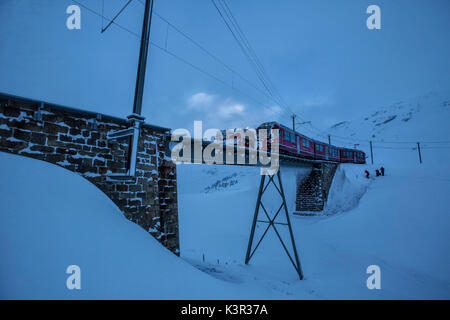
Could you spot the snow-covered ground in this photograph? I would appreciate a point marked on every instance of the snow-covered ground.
(399, 222)
(51, 218)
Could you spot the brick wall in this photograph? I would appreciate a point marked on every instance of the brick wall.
(76, 140)
(312, 191)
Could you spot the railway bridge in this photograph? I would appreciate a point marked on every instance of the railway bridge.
(311, 192)
(312, 189)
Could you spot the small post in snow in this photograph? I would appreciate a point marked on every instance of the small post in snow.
(418, 149)
(371, 152)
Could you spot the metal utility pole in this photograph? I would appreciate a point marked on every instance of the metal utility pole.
(418, 148)
(329, 139)
(145, 40)
(271, 222)
(136, 119)
(371, 152)
(293, 121)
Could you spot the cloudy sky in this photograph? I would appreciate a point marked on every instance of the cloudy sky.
(324, 62)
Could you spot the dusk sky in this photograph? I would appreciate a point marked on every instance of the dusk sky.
(326, 64)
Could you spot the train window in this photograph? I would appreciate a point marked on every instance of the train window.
(292, 138)
(286, 136)
(305, 143)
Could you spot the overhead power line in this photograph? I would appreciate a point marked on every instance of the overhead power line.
(233, 71)
(105, 18)
(172, 54)
(251, 50)
(248, 51)
(179, 58)
(116, 16)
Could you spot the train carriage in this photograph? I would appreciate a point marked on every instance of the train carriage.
(320, 151)
(333, 154)
(347, 155)
(306, 147)
(294, 143)
(360, 157)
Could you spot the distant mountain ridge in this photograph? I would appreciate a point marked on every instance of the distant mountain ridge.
(420, 118)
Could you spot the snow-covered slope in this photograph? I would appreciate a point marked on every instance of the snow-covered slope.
(399, 222)
(396, 129)
(51, 218)
(419, 118)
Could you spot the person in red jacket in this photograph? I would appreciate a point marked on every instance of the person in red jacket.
(367, 174)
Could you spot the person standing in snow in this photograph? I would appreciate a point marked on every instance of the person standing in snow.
(377, 173)
(367, 174)
(382, 171)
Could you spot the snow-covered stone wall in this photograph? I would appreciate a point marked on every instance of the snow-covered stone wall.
(76, 140)
(312, 190)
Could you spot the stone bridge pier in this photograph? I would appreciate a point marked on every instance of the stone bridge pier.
(312, 190)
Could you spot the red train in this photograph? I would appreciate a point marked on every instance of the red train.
(294, 143)
(298, 145)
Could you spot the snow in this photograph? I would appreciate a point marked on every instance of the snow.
(52, 218)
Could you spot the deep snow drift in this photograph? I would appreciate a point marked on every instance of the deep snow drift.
(51, 218)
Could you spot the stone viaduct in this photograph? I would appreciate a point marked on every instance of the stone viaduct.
(79, 141)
